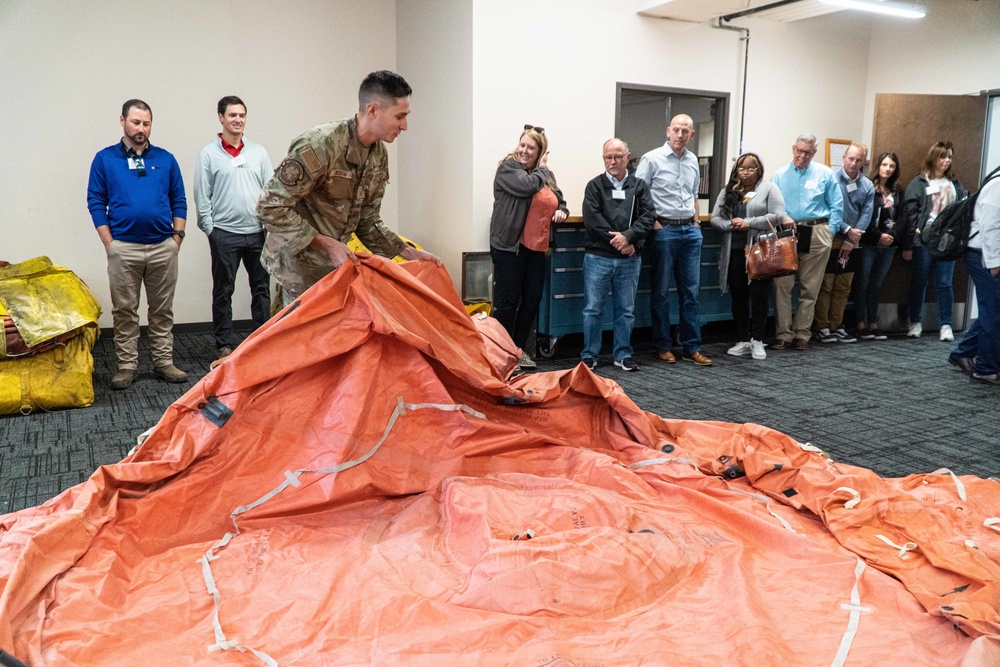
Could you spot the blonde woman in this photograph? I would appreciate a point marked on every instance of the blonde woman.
(522, 179)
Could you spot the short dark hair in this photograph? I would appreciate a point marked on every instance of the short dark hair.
(138, 104)
(384, 85)
(228, 101)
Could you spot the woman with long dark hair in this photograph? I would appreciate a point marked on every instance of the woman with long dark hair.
(878, 244)
(747, 206)
(927, 195)
(522, 183)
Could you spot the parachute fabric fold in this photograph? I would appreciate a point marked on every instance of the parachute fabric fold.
(347, 487)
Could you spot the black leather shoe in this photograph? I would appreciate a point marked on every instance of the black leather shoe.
(989, 378)
(963, 364)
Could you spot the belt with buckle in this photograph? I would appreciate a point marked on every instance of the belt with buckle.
(812, 223)
(675, 222)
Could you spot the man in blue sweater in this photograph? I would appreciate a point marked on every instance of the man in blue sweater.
(136, 200)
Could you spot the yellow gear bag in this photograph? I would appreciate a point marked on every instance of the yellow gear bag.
(52, 310)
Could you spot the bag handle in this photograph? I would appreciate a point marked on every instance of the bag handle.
(769, 224)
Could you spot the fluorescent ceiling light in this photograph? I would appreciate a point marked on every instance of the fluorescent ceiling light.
(903, 9)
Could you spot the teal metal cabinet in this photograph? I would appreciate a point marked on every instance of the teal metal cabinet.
(561, 310)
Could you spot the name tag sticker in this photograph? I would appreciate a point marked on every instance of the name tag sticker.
(131, 163)
(851, 187)
(812, 185)
(239, 160)
(933, 189)
(618, 194)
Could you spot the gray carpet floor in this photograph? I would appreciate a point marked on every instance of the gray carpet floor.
(894, 406)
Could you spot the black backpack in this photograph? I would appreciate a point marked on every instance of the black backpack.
(948, 235)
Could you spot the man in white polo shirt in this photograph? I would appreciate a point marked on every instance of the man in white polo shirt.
(229, 177)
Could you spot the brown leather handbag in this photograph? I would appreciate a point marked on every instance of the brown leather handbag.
(773, 255)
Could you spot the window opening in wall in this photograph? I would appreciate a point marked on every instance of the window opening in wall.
(643, 113)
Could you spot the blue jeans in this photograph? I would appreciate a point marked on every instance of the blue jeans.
(621, 277)
(982, 340)
(875, 264)
(920, 274)
(677, 256)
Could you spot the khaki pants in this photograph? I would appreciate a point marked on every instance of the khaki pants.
(834, 294)
(130, 266)
(812, 266)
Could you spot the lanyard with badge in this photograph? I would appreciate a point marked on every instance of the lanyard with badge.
(136, 164)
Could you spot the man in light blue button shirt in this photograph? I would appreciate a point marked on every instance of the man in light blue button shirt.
(814, 201)
(672, 174)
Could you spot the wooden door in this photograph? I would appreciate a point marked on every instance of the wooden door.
(908, 125)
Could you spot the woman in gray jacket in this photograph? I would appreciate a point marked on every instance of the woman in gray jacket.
(746, 207)
(518, 271)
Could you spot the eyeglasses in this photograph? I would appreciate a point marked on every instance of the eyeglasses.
(799, 151)
(539, 130)
(614, 158)
(944, 144)
(749, 168)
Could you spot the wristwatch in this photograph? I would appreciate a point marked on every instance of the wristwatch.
(180, 233)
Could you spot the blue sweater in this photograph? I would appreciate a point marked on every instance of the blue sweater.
(136, 209)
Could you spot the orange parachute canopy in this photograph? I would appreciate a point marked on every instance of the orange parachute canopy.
(361, 483)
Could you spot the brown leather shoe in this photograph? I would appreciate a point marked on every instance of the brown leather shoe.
(171, 373)
(780, 344)
(800, 344)
(667, 356)
(698, 358)
(123, 379)
(963, 364)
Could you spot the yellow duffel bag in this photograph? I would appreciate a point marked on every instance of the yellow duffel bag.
(59, 378)
(50, 326)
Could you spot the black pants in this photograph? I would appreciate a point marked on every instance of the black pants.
(228, 250)
(518, 278)
(750, 301)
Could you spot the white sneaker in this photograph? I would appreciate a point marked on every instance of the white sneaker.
(526, 361)
(740, 349)
(757, 349)
(947, 333)
(915, 331)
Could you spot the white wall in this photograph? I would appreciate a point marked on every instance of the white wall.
(434, 54)
(66, 66)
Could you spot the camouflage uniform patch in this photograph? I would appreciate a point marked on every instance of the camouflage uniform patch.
(290, 172)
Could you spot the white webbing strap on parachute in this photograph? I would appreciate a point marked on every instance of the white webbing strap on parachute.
(654, 462)
(809, 447)
(767, 505)
(854, 620)
(909, 546)
(850, 504)
(992, 523)
(292, 479)
(958, 483)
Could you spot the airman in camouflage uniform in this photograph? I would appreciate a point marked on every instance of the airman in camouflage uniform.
(330, 186)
